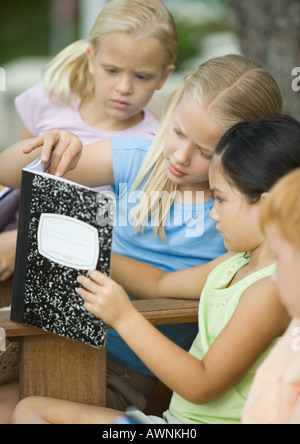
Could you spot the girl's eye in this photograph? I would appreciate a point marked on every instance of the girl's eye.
(178, 132)
(205, 154)
(111, 70)
(216, 198)
(142, 77)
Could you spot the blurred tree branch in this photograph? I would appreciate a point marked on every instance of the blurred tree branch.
(269, 32)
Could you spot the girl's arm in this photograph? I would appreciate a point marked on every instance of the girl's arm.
(144, 281)
(66, 149)
(93, 163)
(26, 134)
(258, 320)
(95, 167)
(8, 241)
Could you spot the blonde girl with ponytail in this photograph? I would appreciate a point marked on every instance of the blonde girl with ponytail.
(70, 74)
(100, 87)
(171, 233)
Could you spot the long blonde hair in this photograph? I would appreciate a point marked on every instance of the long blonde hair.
(231, 89)
(67, 77)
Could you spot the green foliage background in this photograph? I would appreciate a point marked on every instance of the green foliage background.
(25, 30)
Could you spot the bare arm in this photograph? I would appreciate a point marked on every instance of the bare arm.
(65, 146)
(144, 281)
(12, 161)
(258, 320)
(26, 134)
(95, 167)
(8, 241)
(93, 164)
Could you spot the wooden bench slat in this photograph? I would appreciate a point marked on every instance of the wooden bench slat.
(158, 312)
(168, 311)
(15, 330)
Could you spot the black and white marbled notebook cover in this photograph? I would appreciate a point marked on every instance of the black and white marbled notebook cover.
(44, 293)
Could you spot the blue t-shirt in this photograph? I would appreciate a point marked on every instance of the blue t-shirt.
(191, 240)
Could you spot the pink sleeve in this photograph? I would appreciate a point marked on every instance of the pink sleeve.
(28, 105)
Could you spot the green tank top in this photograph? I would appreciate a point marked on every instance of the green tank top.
(217, 304)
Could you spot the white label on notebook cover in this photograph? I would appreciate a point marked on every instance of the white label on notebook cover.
(68, 241)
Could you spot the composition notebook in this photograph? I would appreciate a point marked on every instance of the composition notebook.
(65, 229)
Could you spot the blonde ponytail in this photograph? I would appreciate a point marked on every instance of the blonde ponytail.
(67, 76)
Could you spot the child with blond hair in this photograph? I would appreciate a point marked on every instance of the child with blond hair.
(173, 233)
(240, 314)
(100, 87)
(275, 395)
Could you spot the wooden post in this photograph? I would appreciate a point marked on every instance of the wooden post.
(56, 367)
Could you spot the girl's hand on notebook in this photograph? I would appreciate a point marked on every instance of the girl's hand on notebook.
(62, 147)
(105, 298)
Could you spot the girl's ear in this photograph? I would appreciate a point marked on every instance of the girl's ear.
(165, 77)
(90, 52)
(263, 197)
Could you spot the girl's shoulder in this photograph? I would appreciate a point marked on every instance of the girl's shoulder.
(35, 93)
(130, 144)
(128, 155)
(261, 296)
(226, 270)
(229, 262)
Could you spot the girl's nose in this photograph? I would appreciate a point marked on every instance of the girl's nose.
(214, 214)
(182, 155)
(124, 85)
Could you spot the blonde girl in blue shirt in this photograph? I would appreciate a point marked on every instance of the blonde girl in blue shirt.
(222, 92)
(100, 87)
(240, 313)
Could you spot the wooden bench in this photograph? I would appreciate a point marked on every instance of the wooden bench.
(56, 367)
